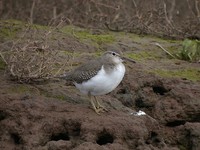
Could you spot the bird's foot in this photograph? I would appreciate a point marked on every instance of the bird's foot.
(97, 106)
(101, 107)
(98, 110)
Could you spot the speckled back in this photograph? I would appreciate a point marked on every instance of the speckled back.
(90, 69)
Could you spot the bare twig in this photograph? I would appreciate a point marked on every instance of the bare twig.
(3, 58)
(166, 16)
(157, 44)
(105, 5)
(190, 7)
(54, 12)
(134, 3)
(197, 8)
(171, 10)
(31, 12)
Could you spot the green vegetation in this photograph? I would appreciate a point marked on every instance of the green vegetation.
(39, 27)
(22, 88)
(10, 28)
(190, 74)
(85, 34)
(133, 36)
(143, 55)
(103, 38)
(2, 64)
(68, 29)
(60, 97)
(182, 147)
(190, 50)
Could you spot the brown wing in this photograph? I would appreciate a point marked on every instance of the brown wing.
(85, 71)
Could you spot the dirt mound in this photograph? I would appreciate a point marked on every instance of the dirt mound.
(40, 123)
(53, 115)
(30, 121)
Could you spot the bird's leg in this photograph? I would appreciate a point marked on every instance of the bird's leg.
(93, 105)
(99, 106)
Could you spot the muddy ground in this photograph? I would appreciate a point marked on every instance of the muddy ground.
(53, 115)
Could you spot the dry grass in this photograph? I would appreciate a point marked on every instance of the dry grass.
(32, 59)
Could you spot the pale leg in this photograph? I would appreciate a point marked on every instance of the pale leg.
(93, 105)
(99, 106)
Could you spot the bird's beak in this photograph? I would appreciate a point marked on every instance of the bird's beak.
(128, 59)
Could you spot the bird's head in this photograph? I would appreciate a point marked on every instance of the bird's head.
(116, 57)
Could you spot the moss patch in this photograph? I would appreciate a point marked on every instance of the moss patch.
(60, 97)
(99, 39)
(10, 28)
(40, 27)
(23, 88)
(133, 36)
(85, 34)
(190, 74)
(68, 29)
(143, 55)
(2, 64)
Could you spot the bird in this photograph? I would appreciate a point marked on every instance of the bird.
(99, 76)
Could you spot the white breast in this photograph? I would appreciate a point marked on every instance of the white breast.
(103, 82)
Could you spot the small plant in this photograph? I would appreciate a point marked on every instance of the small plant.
(190, 50)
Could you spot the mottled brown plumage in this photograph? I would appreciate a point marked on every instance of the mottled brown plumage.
(90, 69)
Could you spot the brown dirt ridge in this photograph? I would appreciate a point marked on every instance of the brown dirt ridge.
(53, 115)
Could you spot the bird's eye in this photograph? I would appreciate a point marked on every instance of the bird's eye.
(113, 54)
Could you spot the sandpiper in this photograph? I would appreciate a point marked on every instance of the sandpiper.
(99, 76)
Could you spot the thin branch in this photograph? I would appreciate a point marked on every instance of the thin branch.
(157, 44)
(54, 12)
(3, 58)
(190, 7)
(31, 12)
(197, 8)
(166, 16)
(134, 3)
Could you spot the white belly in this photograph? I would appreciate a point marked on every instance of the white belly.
(103, 82)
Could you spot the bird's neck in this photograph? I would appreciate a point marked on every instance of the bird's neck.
(110, 66)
